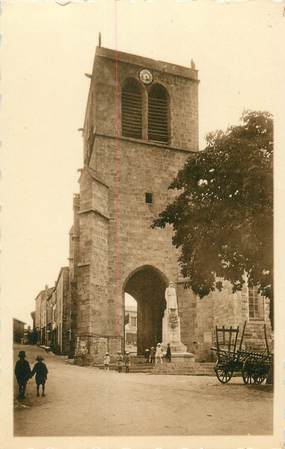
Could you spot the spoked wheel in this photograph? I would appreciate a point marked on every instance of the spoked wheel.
(259, 378)
(223, 373)
(247, 375)
(252, 373)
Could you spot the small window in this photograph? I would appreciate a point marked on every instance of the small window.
(133, 321)
(255, 304)
(148, 198)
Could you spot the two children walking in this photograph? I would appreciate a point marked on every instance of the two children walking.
(123, 360)
(24, 373)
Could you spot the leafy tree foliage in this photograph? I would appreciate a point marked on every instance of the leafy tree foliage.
(222, 216)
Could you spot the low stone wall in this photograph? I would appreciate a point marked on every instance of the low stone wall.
(91, 349)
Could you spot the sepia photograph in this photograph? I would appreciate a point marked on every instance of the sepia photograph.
(141, 293)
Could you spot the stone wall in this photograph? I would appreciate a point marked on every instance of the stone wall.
(66, 325)
(62, 322)
(200, 316)
(227, 309)
(119, 241)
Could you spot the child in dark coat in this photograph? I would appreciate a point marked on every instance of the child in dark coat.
(168, 352)
(41, 371)
(127, 361)
(22, 373)
(120, 361)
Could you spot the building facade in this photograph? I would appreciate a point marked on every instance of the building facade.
(141, 126)
(131, 329)
(52, 314)
(61, 312)
(41, 315)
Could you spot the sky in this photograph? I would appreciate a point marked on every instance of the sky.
(47, 49)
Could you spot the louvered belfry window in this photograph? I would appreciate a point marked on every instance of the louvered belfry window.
(158, 114)
(132, 109)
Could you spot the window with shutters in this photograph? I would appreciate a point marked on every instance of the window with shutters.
(158, 114)
(132, 109)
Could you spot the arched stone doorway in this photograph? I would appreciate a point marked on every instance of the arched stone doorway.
(147, 286)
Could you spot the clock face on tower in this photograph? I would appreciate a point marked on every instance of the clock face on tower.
(146, 76)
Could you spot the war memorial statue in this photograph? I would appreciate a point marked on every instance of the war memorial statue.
(171, 326)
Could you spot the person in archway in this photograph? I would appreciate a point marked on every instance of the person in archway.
(168, 353)
(146, 355)
(158, 354)
(152, 354)
(22, 373)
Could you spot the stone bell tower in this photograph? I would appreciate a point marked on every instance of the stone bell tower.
(141, 125)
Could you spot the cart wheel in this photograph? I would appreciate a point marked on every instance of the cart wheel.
(259, 378)
(223, 373)
(252, 374)
(247, 375)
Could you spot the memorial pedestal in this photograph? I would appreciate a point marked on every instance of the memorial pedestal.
(171, 334)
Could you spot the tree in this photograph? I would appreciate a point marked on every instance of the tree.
(222, 216)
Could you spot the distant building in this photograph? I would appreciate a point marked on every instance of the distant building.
(33, 316)
(41, 315)
(131, 328)
(52, 314)
(18, 330)
(60, 303)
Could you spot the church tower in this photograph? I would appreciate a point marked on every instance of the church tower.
(141, 126)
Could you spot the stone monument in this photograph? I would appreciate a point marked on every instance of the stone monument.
(171, 327)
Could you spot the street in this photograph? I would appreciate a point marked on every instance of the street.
(86, 401)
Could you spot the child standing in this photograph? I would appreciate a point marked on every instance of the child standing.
(119, 361)
(127, 362)
(22, 373)
(158, 353)
(107, 360)
(152, 354)
(168, 353)
(41, 371)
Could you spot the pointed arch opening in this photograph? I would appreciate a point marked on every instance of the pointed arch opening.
(146, 286)
(158, 114)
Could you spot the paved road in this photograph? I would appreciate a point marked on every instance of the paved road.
(84, 401)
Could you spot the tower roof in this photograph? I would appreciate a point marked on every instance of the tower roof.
(141, 61)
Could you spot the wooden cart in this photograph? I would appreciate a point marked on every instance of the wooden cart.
(231, 358)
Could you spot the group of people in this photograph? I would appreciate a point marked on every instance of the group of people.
(152, 355)
(123, 360)
(24, 373)
(155, 355)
